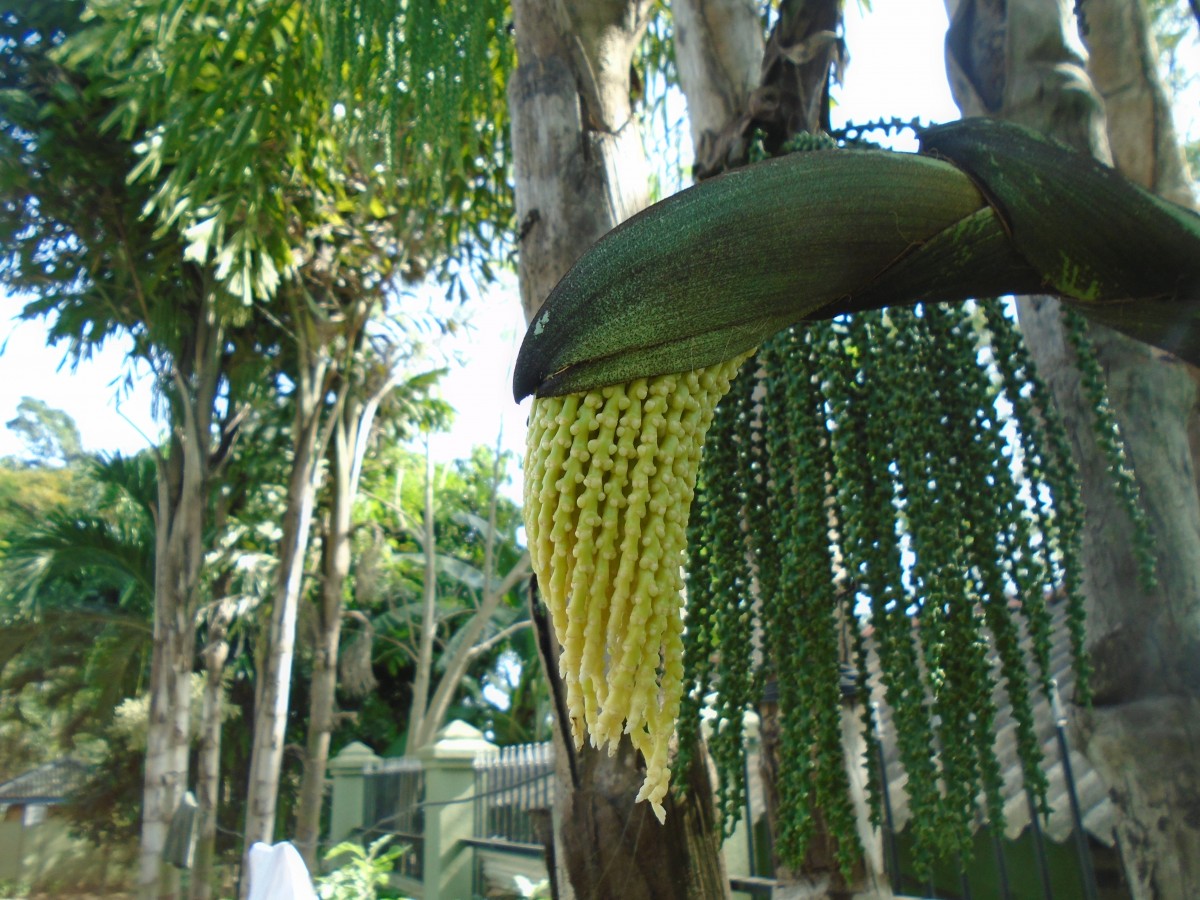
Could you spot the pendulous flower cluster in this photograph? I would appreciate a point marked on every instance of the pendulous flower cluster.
(609, 480)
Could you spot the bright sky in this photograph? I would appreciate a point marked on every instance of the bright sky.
(896, 69)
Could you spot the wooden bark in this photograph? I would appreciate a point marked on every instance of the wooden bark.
(335, 568)
(273, 690)
(313, 422)
(719, 52)
(1024, 62)
(208, 761)
(580, 169)
(353, 423)
(183, 476)
(1122, 61)
(424, 675)
(577, 154)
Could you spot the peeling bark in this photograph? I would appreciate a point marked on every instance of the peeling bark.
(719, 51)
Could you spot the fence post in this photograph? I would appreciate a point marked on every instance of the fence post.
(348, 770)
(449, 812)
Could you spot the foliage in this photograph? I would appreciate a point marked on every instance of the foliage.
(70, 228)
(360, 876)
(76, 597)
(359, 97)
(75, 606)
(388, 588)
(523, 715)
(50, 435)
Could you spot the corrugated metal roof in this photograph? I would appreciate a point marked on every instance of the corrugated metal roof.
(51, 783)
(1096, 808)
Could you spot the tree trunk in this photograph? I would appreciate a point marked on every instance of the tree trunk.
(183, 475)
(1142, 136)
(719, 52)
(454, 666)
(161, 786)
(208, 762)
(1122, 62)
(578, 160)
(335, 568)
(273, 690)
(1028, 66)
(348, 446)
(420, 698)
(580, 169)
(166, 768)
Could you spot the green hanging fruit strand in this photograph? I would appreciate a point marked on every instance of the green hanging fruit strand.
(992, 549)
(861, 444)
(733, 626)
(1052, 466)
(930, 479)
(1108, 437)
(805, 622)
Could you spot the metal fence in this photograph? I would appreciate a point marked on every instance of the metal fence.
(514, 790)
(393, 803)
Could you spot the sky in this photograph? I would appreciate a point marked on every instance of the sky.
(895, 69)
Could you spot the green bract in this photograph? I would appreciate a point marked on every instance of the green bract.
(989, 208)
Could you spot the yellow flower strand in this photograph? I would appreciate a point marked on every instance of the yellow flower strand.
(609, 481)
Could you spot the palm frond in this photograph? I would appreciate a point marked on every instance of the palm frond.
(72, 548)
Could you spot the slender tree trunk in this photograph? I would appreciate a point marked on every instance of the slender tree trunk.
(468, 649)
(1025, 63)
(454, 666)
(335, 568)
(274, 684)
(273, 690)
(580, 169)
(166, 767)
(348, 447)
(420, 698)
(159, 790)
(208, 762)
(183, 476)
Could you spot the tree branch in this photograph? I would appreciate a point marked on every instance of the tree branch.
(499, 637)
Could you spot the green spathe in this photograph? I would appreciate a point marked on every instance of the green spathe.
(988, 208)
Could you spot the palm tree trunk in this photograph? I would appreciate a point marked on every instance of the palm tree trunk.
(335, 569)
(274, 681)
(208, 762)
(161, 786)
(424, 674)
(580, 169)
(183, 477)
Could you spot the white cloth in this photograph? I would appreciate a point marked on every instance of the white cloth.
(278, 873)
